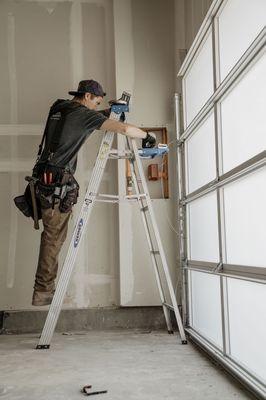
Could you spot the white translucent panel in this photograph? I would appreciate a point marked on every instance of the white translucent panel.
(198, 82)
(200, 151)
(239, 24)
(206, 306)
(203, 229)
(243, 117)
(247, 314)
(245, 220)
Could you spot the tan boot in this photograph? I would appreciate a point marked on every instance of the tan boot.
(42, 298)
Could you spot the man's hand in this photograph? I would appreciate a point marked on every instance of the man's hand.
(149, 141)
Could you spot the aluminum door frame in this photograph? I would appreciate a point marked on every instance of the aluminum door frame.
(221, 269)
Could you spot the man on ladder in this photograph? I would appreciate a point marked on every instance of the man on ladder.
(69, 124)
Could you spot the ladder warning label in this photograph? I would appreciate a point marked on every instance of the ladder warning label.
(78, 235)
(104, 150)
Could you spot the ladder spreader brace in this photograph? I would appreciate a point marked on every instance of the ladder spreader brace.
(145, 205)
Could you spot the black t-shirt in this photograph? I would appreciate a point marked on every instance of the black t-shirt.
(79, 124)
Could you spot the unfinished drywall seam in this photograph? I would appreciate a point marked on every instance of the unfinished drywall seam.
(76, 42)
(124, 47)
(125, 80)
(109, 48)
(76, 54)
(13, 231)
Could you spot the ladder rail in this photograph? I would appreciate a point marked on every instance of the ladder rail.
(151, 249)
(77, 235)
(159, 243)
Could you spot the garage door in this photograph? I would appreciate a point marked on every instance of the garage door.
(222, 188)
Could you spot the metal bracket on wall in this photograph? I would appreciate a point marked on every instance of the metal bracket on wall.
(180, 142)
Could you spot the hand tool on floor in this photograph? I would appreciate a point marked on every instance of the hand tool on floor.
(86, 390)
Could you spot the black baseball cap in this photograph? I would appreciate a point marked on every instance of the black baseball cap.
(89, 86)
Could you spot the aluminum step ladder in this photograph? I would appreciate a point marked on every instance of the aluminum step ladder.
(143, 198)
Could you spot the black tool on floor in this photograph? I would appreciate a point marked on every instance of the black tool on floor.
(85, 390)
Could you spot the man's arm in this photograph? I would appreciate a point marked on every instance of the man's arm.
(124, 129)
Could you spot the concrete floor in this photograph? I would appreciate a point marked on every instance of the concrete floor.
(129, 364)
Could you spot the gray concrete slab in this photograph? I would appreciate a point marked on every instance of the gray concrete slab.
(139, 365)
(86, 319)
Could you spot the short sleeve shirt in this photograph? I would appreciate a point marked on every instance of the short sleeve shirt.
(78, 126)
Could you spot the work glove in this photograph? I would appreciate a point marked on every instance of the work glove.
(149, 141)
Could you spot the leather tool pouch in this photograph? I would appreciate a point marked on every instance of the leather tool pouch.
(24, 204)
(69, 200)
(45, 194)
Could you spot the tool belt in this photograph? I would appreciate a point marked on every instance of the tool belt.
(54, 186)
(47, 187)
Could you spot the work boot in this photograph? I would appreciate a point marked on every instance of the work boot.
(42, 298)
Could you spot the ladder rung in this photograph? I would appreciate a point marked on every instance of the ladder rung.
(118, 154)
(155, 252)
(136, 196)
(115, 157)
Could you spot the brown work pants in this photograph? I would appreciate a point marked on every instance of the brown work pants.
(53, 236)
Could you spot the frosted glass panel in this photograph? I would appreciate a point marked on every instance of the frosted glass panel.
(239, 24)
(243, 117)
(199, 81)
(247, 314)
(200, 151)
(203, 229)
(206, 306)
(245, 220)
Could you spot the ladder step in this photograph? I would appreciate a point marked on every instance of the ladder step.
(124, 154)
(136, 196)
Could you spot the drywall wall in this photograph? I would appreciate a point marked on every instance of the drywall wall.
(150, 43)
(144, 38)
(47, 47)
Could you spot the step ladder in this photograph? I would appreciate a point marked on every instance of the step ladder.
(145, 205)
